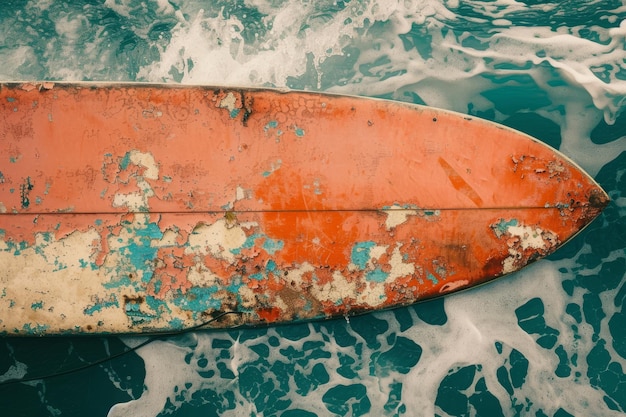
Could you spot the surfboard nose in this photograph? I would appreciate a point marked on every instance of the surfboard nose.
(596, 202)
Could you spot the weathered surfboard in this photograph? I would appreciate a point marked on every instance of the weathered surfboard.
(128, 208)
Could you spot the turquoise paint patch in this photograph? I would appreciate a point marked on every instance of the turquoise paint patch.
(141, 253)
(124, 281)
(98, 222)
(299, 132)
(59, 266)
(266, 173)
(10, 99)
(432, 278)
(100, 305)
(176, 324)
(234, 113)
(16, 248)
(157, 305)
(258, 276)
(361, 253)
(272, 124)
(199, 299)
(125, 161)
(377, 275)
(34, 329)
(501, 227)
(271, 266)
(271, 246)
(37, 306)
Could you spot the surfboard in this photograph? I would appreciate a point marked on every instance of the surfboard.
(136, 208)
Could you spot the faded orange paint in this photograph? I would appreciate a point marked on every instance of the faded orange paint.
(154, 207)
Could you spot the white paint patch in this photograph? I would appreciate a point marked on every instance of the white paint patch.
(138, 201)
(372, 295)
(201, 276)
(69, 251)
(531, 237)
(219, 239)
(523, 238)
(229, 102)
(146, 160)
(398, 267)
(396, 215)
(240, 194)
(295, 275)
(335, 290)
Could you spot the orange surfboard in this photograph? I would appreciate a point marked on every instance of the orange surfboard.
(130, 208)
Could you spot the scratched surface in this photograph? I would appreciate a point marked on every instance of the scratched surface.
(138, 208)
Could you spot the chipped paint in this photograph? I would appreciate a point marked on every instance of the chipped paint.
(526, 243)
(156, 225)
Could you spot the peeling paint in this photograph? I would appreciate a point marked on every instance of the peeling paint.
(157, 226)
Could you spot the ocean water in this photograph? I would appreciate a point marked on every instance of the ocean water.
(547, 341)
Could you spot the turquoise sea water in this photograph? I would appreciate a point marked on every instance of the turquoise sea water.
(547, 341)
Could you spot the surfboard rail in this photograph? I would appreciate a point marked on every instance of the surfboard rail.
(133, 208)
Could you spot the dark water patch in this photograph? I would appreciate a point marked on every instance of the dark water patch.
(49, 356)
(450, 397)
(297, 412)
(369, 328)
(339, 69)
(294, 332)
(403, 317)
(348, 367)
(593, 312)
(202, 403)
(401, 357)
(536, 126)
(519, 368)
(347, 400)
(484, 402)
(418, 38)
(607, 375)
(267, 397)
(530, 319)
(394, 400)
(563, 369)
(225, 371)
(574, 310)
(520, 93)
(308, 382)
(605, 133)
(617, 324)
(337, 330)
(609, 277)
(217, 343)
(432, 312)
